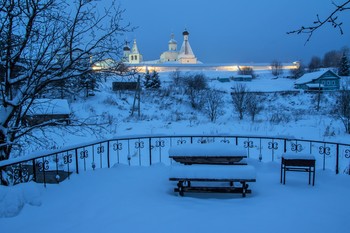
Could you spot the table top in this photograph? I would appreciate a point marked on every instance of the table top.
(207, 150)
(298, 156)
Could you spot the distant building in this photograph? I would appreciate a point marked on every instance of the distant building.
(132, 56)
(172, 54)
(242, 77)
(186, 55)
(48, 110)
(320, 80)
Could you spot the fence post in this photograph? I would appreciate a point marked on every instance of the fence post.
(34, 170)
(150, 150)
(76, 161)
(285, 145)
(108, 162)
(337, 161)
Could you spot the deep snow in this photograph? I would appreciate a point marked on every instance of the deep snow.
(141, 199)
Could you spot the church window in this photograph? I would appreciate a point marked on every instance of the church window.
(135, 57)
(132, 57)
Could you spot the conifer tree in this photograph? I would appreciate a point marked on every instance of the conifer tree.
(155, 81)
(151, 81)
(344, 66)
(147, 80)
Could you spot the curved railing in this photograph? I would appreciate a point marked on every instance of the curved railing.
(55, 166)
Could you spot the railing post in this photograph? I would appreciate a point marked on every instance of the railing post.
(34, 170)
(76, 161)
(108, 162)
(150, 150)
(285, 145)
(337, 160)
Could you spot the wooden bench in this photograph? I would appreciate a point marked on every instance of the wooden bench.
(298, 163)
(212, 178)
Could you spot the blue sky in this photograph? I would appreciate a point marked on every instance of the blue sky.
(224, 31)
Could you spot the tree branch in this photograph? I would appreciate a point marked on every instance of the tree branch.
(332, 19)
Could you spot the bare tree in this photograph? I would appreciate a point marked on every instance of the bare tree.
(195, 84)
(276, 68)
(253, 104)
(343, 108)
(299, 71)
(239, 98)
(315, 64)
(41, 43)
(332, 59)
(332, 18)
(176, 77)
(213, 104)
(246, 70)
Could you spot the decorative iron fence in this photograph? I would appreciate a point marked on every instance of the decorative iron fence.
(147, 150)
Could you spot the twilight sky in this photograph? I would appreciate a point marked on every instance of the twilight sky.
(225, 31)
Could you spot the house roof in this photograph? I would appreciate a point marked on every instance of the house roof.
(49, 107)
(242, 76)
(309, 77)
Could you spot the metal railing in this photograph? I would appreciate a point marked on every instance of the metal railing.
(58, 165)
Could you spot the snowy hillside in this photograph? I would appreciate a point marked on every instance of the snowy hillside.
(168, 111)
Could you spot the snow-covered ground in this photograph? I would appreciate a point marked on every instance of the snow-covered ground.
(141, 199)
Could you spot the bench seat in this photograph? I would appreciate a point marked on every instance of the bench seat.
(227, 176)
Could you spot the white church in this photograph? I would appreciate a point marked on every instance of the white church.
(184, 56)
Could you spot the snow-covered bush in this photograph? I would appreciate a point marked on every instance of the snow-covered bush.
(278, 118)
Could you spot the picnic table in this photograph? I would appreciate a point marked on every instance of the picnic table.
(298, 163)
(207, 172)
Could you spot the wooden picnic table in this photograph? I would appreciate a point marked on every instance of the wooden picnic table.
(207, 173)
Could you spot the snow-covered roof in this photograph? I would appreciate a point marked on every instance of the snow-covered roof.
(309, 77)
(49, 107)
(243, 76)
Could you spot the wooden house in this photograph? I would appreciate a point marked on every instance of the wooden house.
(44, 110)
(320, 80)
(242, 78)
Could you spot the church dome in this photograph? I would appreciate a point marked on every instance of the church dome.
(185, 33)
(126, 48)
(172, 40)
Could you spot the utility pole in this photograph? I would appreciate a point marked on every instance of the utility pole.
(137, 98)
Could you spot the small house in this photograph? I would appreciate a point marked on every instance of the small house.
(44, 110)
(242, 78)
(320, 80)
